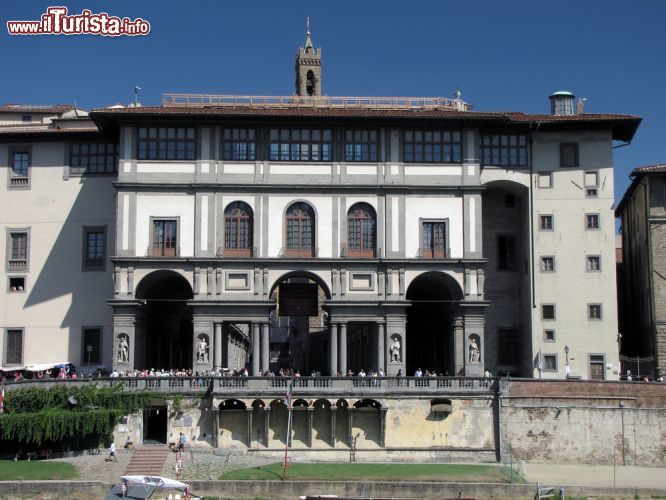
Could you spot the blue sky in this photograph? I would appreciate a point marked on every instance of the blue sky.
(505, 55)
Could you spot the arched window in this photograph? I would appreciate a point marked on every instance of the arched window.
(238, 230)
(300, 226)
(362, 231)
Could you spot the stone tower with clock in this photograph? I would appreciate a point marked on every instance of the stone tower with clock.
(308, 68)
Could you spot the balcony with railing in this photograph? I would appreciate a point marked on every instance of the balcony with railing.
(17, 264)
(162, 251)
(433, 253)
(237, 253)
(93, 262)
(360, 253)
(19, 181)
(298, 253)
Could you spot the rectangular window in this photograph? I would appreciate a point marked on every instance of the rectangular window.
(360, 145)
(300, 144)
(239, 144)
(94, 245)
(550, 362)
(546, 222)
(93, 158)
(508, 347)
(506, 253)
(165, 238)
(548, 312)
(549, 335)
(569, 154)
(597, 367)
(433, 239)
(26, 118)
(17, 254)
(20, 172)
(591, 179)
(545, 180)
(593, 263)
(433, 146)
(13, 347)
(592, 221)
(92, 346)
(16, 284)
(504, 150)
(547, 264)
(166, 143)
(594, 311)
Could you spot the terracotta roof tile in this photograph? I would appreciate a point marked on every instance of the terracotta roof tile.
(35, 108)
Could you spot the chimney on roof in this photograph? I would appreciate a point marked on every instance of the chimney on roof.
(561, 103)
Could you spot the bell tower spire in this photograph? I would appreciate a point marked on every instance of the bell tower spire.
(308, 67)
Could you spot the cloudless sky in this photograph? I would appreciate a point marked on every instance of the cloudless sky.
(505, 55)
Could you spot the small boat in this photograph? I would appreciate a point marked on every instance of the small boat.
(142, 487)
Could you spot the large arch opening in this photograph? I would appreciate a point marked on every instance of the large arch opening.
(166, 341)
(299, 325)
(434, 301)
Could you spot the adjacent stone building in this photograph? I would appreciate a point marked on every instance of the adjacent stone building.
(642, 211)
(316, 233)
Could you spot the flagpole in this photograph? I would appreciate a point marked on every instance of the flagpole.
(286, 448)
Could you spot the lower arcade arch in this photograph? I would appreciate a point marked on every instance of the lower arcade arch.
(434, 298)
(164, 336)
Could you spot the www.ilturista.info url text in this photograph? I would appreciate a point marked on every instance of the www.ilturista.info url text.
(57, 21)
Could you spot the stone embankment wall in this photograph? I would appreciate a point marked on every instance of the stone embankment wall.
(584, 422)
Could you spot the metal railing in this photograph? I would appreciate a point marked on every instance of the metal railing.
(301, 253)
(17, 264)
(19, 181)
(236, 252)
(202, 100)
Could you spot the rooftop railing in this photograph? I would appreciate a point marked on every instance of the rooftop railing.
(203, 100)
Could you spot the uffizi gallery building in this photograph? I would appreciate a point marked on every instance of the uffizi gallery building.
(321, 234)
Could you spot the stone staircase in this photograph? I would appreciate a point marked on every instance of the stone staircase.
(148, 460)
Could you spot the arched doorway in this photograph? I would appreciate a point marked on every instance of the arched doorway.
(166, 341)
(299, 330)
(434, 301)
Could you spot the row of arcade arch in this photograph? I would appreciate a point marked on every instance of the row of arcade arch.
(164, 334)
(319, 423)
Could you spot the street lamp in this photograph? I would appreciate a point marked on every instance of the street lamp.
(567, 370)
(89, 350)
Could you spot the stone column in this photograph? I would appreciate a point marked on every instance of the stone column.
(334, 410)
(249, 426)
(218, 346)
(333, 349)
(382, 426)
(310, 415)
(343, 348)
(381, 347)
(255, 350)
(267, 421)
(265, 347)
(459, 344)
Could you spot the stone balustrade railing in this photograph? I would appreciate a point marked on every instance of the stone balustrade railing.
(240, 386)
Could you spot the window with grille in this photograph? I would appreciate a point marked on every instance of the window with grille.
(506, 253)
(592, 221)
(433, 239)
(360, 145)
(300, 144)
(14, 347)
(546, 222)
(361, 231)
(433, 146)
(17, 258)
(238, 227)
(594, 311)
(93, 158)
(300, 226)
(166, 143)
(548, 311)
(95, 248)
(547, 264)
(239, 144)
(569, 155)
(593, 263)
(549, 335)
(508, 344)
(504, 150)
(550, 362)
(165, 238)
(92, 346)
